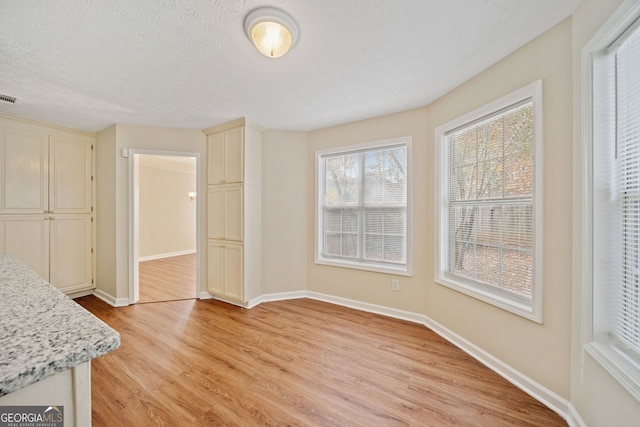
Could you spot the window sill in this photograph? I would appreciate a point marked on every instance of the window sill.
(398, 271)
(494, 297)
(625, 370)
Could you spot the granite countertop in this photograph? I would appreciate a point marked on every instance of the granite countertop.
(43, 331)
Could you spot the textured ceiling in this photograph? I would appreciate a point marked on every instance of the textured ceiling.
(88, 64)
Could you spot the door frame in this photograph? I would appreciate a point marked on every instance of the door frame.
(134, 216)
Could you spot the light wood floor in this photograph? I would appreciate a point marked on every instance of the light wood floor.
(295, 363)
(167, 279)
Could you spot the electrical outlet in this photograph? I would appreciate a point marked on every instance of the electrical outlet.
(395, 285)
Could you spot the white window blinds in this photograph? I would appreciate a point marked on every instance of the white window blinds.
(490, 202)
(627, 185)
(363, 209)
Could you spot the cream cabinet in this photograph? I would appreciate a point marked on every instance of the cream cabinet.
(57, 247)
(24, 182)
(44, 174)
(46, 201)
(224, 262)
(26, 237)
(233, 211)
(225, 212)
(225, 156)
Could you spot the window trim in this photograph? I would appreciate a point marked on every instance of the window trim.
(477, 290)
(595, 339)
(401, 270)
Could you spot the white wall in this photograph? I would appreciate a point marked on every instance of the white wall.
(105, 177)
(375, 288)
(550, 353)
(116, 203)
(284, 211)
(541, 352)
(167, 215)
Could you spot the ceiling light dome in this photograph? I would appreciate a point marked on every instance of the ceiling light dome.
(271, 30)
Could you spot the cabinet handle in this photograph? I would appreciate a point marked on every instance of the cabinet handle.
(51, 218)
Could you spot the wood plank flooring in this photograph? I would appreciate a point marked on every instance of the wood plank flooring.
(292, 363)
(167, 279)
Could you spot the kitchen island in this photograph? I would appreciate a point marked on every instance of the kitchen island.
(47, 342)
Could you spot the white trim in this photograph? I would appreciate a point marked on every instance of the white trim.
(166, 255)
(282, 296)
(81, 378)
(573, 418)
(616, 365)
(550, 399)
(110, 299)
(400, 270)
(620, 368)
(231, 301)
(134, 166)
(369, 308)
(532, 91)
(204, 295)
(80, 294)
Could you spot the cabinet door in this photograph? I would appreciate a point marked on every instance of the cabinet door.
(225, 157)
(215, 156)
(24, 178)
(26, 237)
(215, 268)
(233, 277)
(70, 252)
(215, 212)
(224, 219)
(233, 156)
(70, 176)
(233, 213)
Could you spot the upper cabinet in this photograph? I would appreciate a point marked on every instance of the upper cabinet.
(44, 174)
(226, 156)
(69, 176)
(24, 181)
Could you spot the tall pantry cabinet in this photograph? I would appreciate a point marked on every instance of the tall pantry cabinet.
(234, 168)
(46, 204)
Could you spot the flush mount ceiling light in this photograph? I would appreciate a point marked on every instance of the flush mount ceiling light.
(271, 30)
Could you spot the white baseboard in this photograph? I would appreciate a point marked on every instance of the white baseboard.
(80, 294)
(167, 255)
(553, 401)
(109, 299)
(230, 301)
(204, 295)
(574, 419)
(283, 296)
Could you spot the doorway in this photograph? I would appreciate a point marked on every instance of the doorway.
(164, 225)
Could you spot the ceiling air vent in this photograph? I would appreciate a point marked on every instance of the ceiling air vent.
(7, 98)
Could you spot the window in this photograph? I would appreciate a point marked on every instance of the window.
(362, 216)
(489, 214)
(611, 179)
